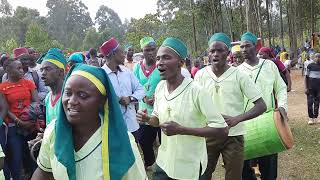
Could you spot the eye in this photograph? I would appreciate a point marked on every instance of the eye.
(67, 93)
(83, 95)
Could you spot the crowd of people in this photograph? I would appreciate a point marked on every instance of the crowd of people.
(84, 116)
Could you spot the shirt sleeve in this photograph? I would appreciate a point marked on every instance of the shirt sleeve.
(1, 153)
(280, 89)
(248, 87)
(209, 110)
(138, 90)
(30, 84)
(43, 160)
(156, 102)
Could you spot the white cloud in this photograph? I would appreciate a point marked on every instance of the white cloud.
(124, 8)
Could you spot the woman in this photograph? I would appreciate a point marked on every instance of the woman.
(19, 94)
(266, 53)
(89, 138)
(73, 59)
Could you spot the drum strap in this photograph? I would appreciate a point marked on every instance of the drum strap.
(255, 81)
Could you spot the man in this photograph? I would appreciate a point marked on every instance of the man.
(236, 56)
(129, 57)
(125, 84)
(229, 89)
(283, 53)
(149, 77)
(185, 114)
(195, 67)
(306, 64)
(53, 66)
(312, 86)
(273, 88)
(93, 60)
(22, 55)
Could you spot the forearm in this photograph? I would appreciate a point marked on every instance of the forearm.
(3, 107)
(1, 163)
(258, 108)
(205, 132)
(39, 174)
(12, 116)
(288, 78)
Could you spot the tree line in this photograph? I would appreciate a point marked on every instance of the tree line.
(68, 24)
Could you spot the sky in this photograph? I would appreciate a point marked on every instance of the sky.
(126, 9)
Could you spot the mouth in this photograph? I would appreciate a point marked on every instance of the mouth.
(162, 71)
(215, 61)
(73, 112)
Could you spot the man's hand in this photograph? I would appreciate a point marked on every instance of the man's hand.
(124, 101)
(171, 128)
(142, 117)
(149, 101)
(283, 114)
(306, 91)
(232, 121)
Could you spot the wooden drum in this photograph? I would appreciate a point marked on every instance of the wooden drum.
(266, 134)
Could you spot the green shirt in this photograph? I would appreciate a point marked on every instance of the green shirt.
(51, 110)
(149, 84)
(180, 156)
(269, 83)
(88, 158)
(229, 92)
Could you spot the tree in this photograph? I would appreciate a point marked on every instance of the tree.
(75, 43)
(37, 38)
(92, 39)
(67, 17)
(5, 7)
(9, 45)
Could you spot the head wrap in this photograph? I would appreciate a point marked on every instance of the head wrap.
(109, 46)
(117, 155)
(235, 48)
(267, 51)
(177, 46)
(248, 36)
(147, 41)
(17, 52)
(76, 57)
(55, 56)
(221, 37)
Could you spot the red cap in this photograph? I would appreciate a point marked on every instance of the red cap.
(109, 46)
(19, 51)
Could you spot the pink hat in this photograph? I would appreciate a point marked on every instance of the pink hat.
(17, 52)
(109, 46)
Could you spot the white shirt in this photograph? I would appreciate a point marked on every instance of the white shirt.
(306, 63)
(126, 84)
(185, 73)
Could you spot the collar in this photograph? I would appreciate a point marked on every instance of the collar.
(109, 71)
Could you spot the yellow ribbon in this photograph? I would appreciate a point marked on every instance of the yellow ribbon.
(93, 79)
(57, 63)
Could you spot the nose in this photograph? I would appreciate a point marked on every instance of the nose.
(73, 100)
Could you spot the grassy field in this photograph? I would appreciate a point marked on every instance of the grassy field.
(302, 162)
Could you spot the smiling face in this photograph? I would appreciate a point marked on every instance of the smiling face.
(218, 53)
(168, 63)
(81, 100)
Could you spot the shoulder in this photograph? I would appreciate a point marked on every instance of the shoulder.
(49, 133)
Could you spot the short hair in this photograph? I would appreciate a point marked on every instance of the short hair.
(8, 62)
(93, 52)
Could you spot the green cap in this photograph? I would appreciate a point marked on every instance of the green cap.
(248, 36)
(221, 37)
(177, 46)
(147, 41)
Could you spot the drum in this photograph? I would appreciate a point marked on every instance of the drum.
(266, 134)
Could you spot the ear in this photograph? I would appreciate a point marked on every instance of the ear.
(181, 62)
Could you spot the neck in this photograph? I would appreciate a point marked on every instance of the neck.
(13, 80)
(57, 87)
(252, 61)
(149, 63)
(112, 65)
(129, 59)
(173, 83)
(219, 70)
(25, 70)
(82, 133)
